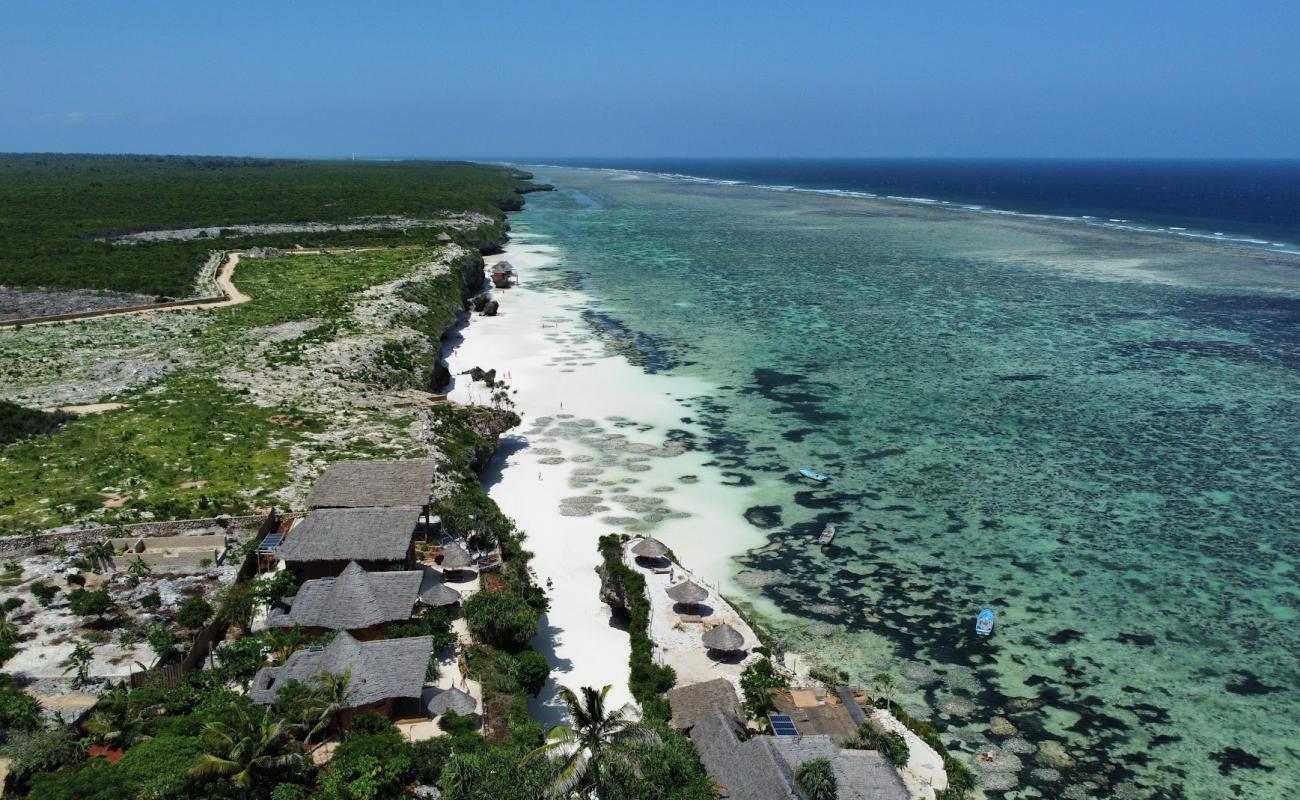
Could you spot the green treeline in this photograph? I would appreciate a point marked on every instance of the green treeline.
(55, 209)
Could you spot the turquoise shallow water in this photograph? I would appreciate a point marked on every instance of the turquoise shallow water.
(1093, 432)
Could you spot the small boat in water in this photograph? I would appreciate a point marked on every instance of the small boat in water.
(827, 534)
(984, 622)
(813, 475)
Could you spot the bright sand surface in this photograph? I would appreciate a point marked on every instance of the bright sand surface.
(555, 365)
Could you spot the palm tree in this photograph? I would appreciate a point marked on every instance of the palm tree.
(596, 742)
(331, 693)
(8, 630)
(100, 553)
(250, 748)
(79, 660)
(884, 684)
(138, 571)
(284, 641)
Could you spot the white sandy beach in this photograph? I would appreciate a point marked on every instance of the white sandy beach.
(555, 367)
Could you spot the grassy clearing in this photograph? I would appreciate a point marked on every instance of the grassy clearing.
(187, 427)
(54, 207)
(185, 430)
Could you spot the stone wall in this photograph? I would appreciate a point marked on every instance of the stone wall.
(26, 545)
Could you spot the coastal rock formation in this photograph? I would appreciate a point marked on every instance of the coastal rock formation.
(614, 593)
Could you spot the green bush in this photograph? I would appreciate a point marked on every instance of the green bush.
(532, 669)
(817, 779)
(891, 744)
(756, 682)
(502, 619)
(89, 604)
(194, 613)
(44, 592)
(151, 601)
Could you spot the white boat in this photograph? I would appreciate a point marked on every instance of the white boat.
(827, 534)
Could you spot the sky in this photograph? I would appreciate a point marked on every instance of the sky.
(867, 78)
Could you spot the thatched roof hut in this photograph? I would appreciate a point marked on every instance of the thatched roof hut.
(693, 702)
(687, 592)
(438, 702)
(650, 548)
(436, 593)
(456, 557)
(374, 484)
(724, 638)
(354, 600)
(352, 534)
(378, 670)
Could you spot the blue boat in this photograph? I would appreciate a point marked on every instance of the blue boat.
(984, 622)
(817, 476)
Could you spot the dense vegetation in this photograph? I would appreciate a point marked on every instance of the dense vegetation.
(17, 422)
(647, 681)
(55, 210)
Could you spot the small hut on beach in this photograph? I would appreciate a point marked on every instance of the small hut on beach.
(650, 548)
(724, 639)
(440, 701)
(456, 558)
(687, 593)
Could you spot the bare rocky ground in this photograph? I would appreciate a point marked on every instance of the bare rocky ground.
(24, 303)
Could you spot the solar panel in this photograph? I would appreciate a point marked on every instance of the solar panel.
(272, 541)
(782, 725)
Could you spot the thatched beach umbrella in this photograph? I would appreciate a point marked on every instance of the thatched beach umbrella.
(456, 557)
(439, 702)
(724, 638)
(688, 592)
(650, 548)
(439, 594)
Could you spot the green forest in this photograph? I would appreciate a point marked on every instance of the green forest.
(56, 210)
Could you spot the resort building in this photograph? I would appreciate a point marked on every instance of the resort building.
(692, 703)
(378, 539)
(763, 767)
(359, 602)
(385, 676)
(375, 484)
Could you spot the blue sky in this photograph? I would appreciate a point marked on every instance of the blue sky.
(866, 78)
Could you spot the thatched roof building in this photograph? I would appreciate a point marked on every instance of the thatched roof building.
(380, 670)
(724, 637)
(434, 590)
(456, 557)
(383, 535)
(439, 701)
(692, 703)
(687, 592)
(354, 600)
(650, 548)
(763, 767)
(374, 484)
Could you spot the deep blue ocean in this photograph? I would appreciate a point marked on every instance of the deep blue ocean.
(1257, 198)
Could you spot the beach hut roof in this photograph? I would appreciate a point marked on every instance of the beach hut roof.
(440, 595)
(692, 703)
(378, 670)
(439, 701)
(374, 484)
(356, 599)
(687, 592)
(650, 548)
(352, 534)
(455, 556)
(724, 637)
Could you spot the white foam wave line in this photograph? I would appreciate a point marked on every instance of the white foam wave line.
(1110, 223)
